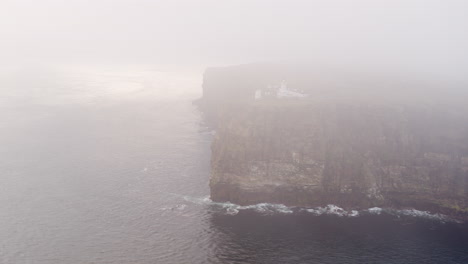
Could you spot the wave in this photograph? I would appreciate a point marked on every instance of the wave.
(233, 209)
(229, 208)
(411, 213)
(332, 209)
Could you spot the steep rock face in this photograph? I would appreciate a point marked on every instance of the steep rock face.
(356, 155)
(357, 141)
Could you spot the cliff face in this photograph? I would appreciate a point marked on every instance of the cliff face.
(353, 153)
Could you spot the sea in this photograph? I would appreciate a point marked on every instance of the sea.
(111, 164)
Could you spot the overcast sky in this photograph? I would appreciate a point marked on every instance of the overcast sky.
(426, 35)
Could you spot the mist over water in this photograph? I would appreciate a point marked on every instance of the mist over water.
(105, 159)
(89, 173)
(108, 165)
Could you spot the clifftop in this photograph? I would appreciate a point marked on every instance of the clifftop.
(237, 85)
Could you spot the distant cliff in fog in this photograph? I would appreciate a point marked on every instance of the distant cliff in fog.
(299, 135)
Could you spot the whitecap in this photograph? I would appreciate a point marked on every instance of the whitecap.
(353, 213)
(232, 211)
(375, 210)
(268, 208)
(421, 214)
(331, 209)
(229, 208)
(263, 208)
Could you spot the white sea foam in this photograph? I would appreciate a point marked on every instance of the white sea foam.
(410, 213)
(353, 213)
(332, 209)
(374, 210)
(263, 208)
(233, 209)
(421, 214)
(268, 208)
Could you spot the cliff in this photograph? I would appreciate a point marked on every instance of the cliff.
(351, 149)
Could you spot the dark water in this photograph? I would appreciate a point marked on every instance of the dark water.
(112, 166)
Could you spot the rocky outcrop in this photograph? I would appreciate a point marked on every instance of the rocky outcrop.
(356, 152)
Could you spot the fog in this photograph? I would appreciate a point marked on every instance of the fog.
(425, 37)
(233, 131)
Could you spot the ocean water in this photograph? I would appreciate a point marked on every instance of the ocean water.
(111, 165)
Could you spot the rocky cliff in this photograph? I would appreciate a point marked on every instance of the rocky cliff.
(353, 151)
